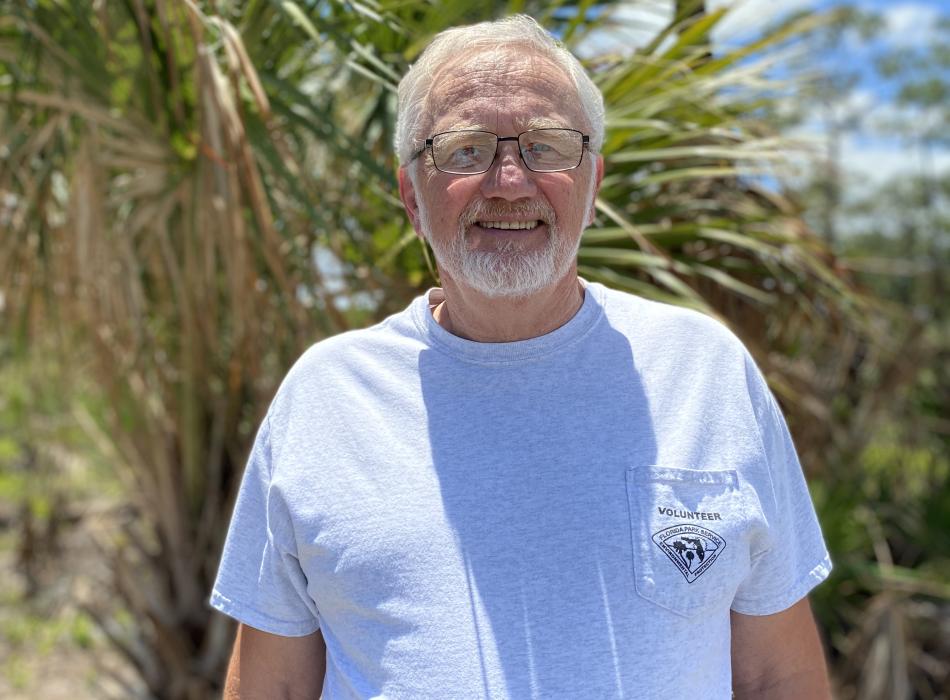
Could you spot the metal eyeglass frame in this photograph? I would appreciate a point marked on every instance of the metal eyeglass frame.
(585, 146)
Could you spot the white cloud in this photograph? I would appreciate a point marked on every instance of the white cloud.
(858, 101)
(637, 24)
(909, 23)
(872, 152)
(750, 16)
(909, 120)
(863, 111)
(874, 162)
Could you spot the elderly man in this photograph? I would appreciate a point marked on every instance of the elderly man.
(524, 485)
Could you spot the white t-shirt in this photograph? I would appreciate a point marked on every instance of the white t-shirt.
(570, 516)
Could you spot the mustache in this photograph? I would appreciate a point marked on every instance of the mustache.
(488, 210)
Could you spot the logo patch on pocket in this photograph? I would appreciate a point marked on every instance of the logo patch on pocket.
(691, 548)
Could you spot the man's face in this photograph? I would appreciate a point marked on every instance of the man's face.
(505, 92)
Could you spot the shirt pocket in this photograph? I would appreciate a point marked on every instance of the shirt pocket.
(691, 532)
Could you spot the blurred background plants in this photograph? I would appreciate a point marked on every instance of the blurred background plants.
(191, 193)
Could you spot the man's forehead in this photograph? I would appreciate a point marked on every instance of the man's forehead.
(497, 67)
(521, 123)
(538, 87)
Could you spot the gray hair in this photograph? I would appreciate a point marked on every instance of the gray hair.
(516, 31)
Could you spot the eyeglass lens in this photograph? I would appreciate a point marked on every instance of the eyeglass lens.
(471, 152)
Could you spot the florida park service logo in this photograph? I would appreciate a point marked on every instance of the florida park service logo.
(691, 548)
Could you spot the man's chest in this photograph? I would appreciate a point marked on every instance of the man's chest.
(498, 523)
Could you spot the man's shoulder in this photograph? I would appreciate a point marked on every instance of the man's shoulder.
(337, 359)
(342, 347)
(662, 324)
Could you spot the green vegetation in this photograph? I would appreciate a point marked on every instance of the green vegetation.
(31, 639)
(884, 488)
(171, 171)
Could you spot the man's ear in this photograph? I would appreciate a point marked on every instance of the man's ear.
(598, 178)
(407, 193)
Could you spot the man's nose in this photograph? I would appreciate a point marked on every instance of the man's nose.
(508, 178)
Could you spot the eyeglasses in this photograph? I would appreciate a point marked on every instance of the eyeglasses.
(471, 152)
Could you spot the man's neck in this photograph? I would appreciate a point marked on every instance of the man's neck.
(470, 314)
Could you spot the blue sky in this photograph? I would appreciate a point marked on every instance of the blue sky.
(871, 152)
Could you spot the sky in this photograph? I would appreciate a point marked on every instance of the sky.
(871, 153)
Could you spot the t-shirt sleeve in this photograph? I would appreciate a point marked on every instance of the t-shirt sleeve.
(796, 559)
(260, 581)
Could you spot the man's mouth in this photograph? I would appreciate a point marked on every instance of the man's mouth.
(509, 225)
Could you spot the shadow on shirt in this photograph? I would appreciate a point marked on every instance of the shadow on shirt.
(530, 459)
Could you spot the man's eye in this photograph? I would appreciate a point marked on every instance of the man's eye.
(466, 154)
(540, 148)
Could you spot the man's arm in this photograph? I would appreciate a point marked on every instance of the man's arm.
(267, 666)
(778, 657)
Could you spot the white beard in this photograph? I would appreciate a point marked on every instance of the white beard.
(506, 271)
